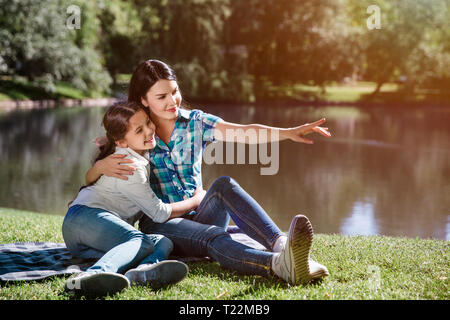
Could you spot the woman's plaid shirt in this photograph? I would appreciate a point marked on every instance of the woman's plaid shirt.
(175, 169)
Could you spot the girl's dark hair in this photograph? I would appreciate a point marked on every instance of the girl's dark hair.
(145, 76)
(115, 122)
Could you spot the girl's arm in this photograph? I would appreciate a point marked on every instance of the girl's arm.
(258, 133)
(138, 191)
(111, 166)
(182, 207)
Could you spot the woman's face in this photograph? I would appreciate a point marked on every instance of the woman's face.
(163, 99)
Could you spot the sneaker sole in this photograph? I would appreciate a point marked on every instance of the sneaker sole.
(102, 284)
(300, 244)
(160, 275)
(319, 274)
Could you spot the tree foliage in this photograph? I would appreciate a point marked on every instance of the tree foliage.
(228, 49)
(36, 43)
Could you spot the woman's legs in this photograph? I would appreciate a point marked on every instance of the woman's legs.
(192, 238)
(226, 198)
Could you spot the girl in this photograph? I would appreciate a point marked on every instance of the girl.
(99, 222)
(181, 136)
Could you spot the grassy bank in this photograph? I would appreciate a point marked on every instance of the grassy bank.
(356, 93)
(360, 268)
(21, 89)
(361, 92)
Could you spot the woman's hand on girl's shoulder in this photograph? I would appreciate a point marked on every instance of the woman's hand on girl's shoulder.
(113, 166)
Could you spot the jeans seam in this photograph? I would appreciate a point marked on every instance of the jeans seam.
(248, 222)
(265, 267)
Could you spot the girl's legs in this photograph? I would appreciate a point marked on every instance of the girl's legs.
(96, 233)
(225, 199)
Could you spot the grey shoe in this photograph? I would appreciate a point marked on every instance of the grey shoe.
(158, 275)
(96, 284)
(292, 263)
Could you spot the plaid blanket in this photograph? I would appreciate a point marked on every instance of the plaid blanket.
(39, 260)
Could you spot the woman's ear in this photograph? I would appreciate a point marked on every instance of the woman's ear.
(122, 143)
(144, 102)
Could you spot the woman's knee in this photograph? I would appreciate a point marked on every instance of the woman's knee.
(223, 182)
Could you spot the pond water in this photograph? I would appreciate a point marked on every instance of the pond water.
(385, 171)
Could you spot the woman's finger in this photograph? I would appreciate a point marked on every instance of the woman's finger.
(118, 156)
(121, 161)
(317, 123)
(119, 176)
(322, 131)
(126, 170)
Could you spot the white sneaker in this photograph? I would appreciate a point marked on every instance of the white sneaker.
(279, 244)
(292, 263)
(96, 284)
(317, 270)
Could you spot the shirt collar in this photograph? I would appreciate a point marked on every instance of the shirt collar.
(184, 114)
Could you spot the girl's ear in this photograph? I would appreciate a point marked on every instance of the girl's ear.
(122, 143)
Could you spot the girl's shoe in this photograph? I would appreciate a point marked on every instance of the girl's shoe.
(96, 284)
(292, 263)
(158, 275)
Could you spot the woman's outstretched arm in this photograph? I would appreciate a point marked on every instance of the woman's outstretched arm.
(258, 133)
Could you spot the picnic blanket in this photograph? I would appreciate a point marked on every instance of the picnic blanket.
(38, 260)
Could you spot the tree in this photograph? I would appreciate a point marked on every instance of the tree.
(410, 42)
(293, 41)
(35, 42)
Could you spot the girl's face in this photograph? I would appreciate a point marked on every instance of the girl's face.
(163, 99)
(140, 135)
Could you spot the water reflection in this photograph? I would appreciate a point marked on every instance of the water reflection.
(385, 171)
(362, 220)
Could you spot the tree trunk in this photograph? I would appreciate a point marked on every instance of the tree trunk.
(378, 88)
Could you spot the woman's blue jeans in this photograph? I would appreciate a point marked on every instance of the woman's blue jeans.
(204, 234)
(96, 233)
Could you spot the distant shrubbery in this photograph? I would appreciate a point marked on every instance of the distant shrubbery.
(228, 49)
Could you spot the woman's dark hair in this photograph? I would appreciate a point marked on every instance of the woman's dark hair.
(115, 122)
(145, 76)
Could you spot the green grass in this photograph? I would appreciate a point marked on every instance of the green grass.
(404, 268)
(360, 92)
(20, 89)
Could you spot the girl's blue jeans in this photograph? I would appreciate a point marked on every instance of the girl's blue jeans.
(204, 234)
(96, 233)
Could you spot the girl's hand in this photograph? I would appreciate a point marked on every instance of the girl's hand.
(199, 194)
(112, 166)
(298, 134)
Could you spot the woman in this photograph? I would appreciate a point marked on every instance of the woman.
(175, 163)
